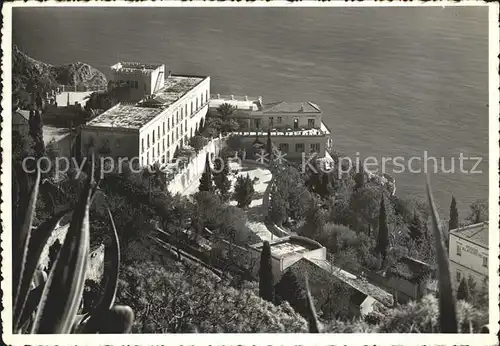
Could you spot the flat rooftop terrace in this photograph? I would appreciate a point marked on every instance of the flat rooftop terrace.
(134, 116)
(286, 246)
(126, 116)
(134, 67)
(175, 87)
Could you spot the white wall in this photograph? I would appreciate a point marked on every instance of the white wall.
(179, 125)
(307, 142)
(144, 81)
(121, 143)
(470, 260)
(195, 168)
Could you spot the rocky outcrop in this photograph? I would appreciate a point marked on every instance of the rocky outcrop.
(29, 74)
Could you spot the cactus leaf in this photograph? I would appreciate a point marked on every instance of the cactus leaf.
(63, 291)
(313, 318)
(22, 240)
(447, 308)
(111, 269)
(38, 240)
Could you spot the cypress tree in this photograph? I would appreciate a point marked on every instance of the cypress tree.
(269, 146)
(383, 231)
(415, 228)
(244, 191)
(206, 178)
(220, 178)
(463, 290)
(266, 288)
(359, 179)
(453, 223)
(325, 186)
(314, 179)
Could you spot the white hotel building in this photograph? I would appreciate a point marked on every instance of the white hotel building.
(468, 254)
(296, 127)
(164, 112)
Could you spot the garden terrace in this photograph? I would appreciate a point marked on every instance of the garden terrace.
(291, 245)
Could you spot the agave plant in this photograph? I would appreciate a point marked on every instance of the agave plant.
(50, 305)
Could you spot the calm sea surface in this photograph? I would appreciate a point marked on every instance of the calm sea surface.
(391, 82)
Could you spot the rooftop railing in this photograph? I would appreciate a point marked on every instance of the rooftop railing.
(235, 98)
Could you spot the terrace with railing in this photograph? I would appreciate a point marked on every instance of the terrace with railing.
(322, 131)
(244, 103)
(79, 88)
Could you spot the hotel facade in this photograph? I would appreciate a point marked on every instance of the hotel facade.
(163, 113)
(296, 128)
(468, 254)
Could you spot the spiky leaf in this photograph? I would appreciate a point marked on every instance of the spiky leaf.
(111, 269)
(38, 240)
(447, 309)
(312, 316)
(63, 292)
(22, 239)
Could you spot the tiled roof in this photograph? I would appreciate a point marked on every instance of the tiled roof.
(410, 269)
(354, 281)
(291, 107)
(477, 233)
(21, 117)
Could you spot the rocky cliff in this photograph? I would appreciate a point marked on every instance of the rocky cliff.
(29, 74)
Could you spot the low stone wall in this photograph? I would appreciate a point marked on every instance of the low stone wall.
(276, 230)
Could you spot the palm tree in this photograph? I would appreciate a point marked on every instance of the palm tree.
(226, 110)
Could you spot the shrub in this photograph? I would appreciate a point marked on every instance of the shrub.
(198, 142)
(244, 191)
(174, 298)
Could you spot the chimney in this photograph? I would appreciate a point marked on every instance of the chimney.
(169, 73)
(246, 98)
(301, 108)
(218, 96)
(232, 97)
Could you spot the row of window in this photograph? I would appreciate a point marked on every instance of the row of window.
(299, 147)
(133, 84)
(179, 116)
(310, 122)
(164, 155)
(459, 253)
